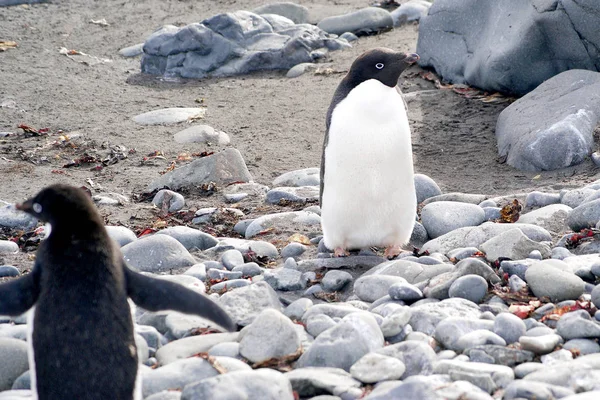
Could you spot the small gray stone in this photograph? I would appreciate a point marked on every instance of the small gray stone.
(335, 280)
(232, 259)
(475, 338)
(441, 217)
(174, 200)
(584, 216)
(540, 199)
(300, 177)
(373, 287)
(197, 271)
(259, 247)
(293, 249)
(500, 374)
(366, 20)
(13, 353)
(297, 308)
(552, 217)
(8, 271)
(300, 194)
(535, 390)
(318, 324)
(373, 367)
(546, 279)
(425, 187)
(229, 285)
(341, 346)
(439, 286)
(248, 269)
(266, 384)
(582, 346)
(295, 12)
(524, 369)
(410, 11)
(169, 116)
(577, 324)
(221, 168)
(399, 390)
(202, 134)
(223, 274)
(8, 246)
(509, 327)
(556, 357)
(271, 335)
(349, 36)
(226, 349)
(190, 238)
(186, 347)
(470, 287)
(285, 279)
(428, 315)
(121, 234)
(499, 354)
(10, 217)
(132, 51)
(516, 284)
(300, 69)
(450, 330)
(244, 304)
(512, 244)
(405, 291)
(417, 357)
(157, 253)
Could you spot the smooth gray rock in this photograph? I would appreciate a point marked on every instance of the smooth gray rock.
(232, 258)
(132, 51)
(535, 390)
(492, 45)
(413, 10)
(500, 354)
(300, 177)
(425, 187)
(441, 217)
(470, 198)
(582, 346)
(450, 330)
(408, 390)
(8, 246)
(426, 317)
(546, 279)
(232, 44)
(540, 344)
(10, 217)
(365, 20)
(311, 381)
(259, 247)
(512, 244)
(298, 194)
(470, 287)
(552, 127)
(297, 308)
(121, 234)
(500, 374)
(584, 216)
(293, 249)
(266, 384)
(478, 337)
(342, 345)
(551, 217)
(187, 347)
(202, 134)
(190, 238)
(244, 304)
(541, 199)
(271, 335)
(292, 221)
(335, 280)
(334, 310)
(165, 395)
(373, 287)
(417, 357)
(240, 191)
(226, 349)
(577, 324)
(318, 324)
(175, 201)
(524, 369)
(285, 279)
(576, 197)
(221, 168)
(439, 286)
(169, 116)
(13, 353)
(474, 236)
(9, 271)
(295, 12)
(157, 253)
(405, 292)
(509, 327)
(374, 367)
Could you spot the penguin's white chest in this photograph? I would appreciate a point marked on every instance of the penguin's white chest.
(369, 195)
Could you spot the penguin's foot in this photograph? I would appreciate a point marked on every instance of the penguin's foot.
(392, 251)
(340, 252)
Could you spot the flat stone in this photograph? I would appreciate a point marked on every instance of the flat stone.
(552, 217)
(373, 367)
(225, 167)
(441, 217)
(426, 317)
(259, 247)
(577, 324)
(470, 198)
(300, 194)
(202, 134)
(285, 279)
(501, 354)
(293, 221)
(584, 216)
(190, 238)
(121, 234)
(450, 331)
(266, 384)
(132, 51)
(541, 199)
(186, 347)
(13, 353)
(244, 304)
(582, 346)
(312, 381)
(500, 374)
(10, 217)
(366, 20)
(373, 287)
(535, 390)
(417, 357)
(169, 116)
(540, 344)
(300, 177)
(157, 253)
(295, 12)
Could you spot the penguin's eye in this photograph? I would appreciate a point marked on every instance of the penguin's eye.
(379, 65)
(37, 207)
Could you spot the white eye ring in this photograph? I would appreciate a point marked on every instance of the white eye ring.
(37, 207)
(379, 65)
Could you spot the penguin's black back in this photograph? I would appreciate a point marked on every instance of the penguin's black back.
(83, 336)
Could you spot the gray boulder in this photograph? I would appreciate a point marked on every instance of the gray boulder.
(221, 168)
(295, 12)
(552, 127)
(233, 44)
(366, 20)
(508, 46)
(157, 253)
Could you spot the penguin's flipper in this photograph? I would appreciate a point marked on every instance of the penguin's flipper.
(19, 295)
(156, 294)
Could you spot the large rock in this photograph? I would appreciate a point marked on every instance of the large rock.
(157, 253)
(295, 12)
(232, 44)
(366, 20)
(509, 46)
(552, 127)
(221, 168)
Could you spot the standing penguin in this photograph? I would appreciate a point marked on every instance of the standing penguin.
(81, 330)
(367, 181)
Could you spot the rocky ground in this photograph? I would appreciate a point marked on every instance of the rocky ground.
(485, 308)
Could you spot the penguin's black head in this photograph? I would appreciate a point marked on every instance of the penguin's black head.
(61, 205)
(382, 64)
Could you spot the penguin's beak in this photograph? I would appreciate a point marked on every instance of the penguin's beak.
(26, 206)
(411, 58)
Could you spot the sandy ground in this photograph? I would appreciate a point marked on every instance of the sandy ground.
(277, 123)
